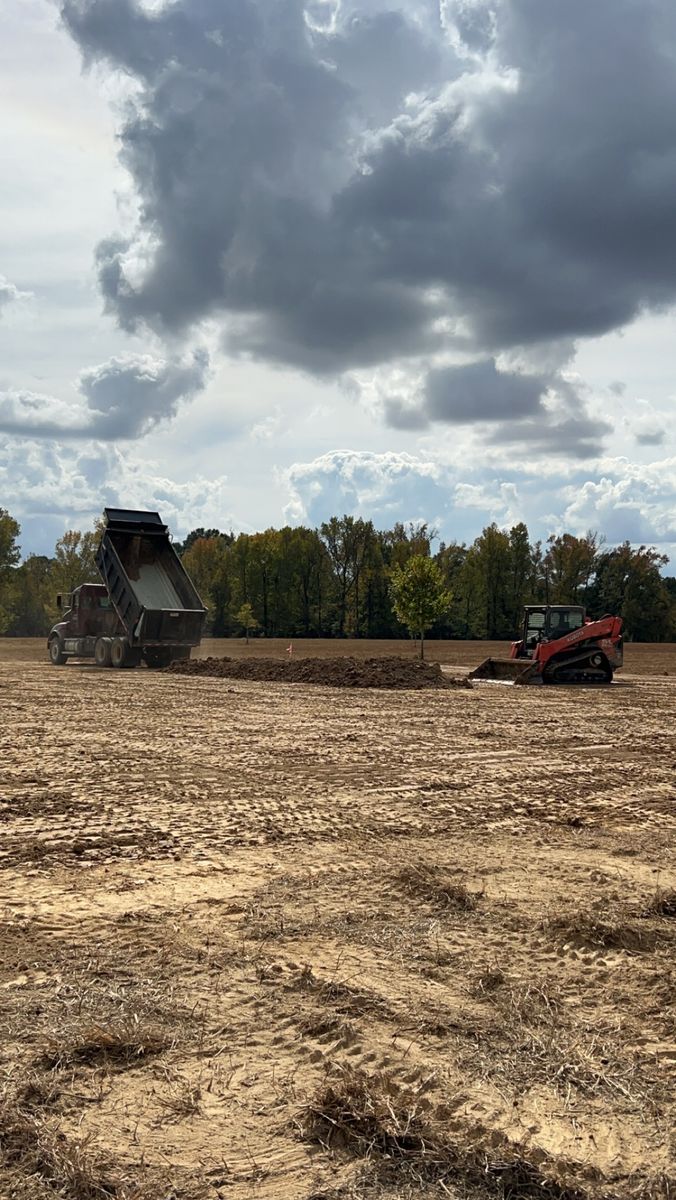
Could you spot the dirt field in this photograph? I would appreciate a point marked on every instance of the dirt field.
(270, 940)
(640, 659)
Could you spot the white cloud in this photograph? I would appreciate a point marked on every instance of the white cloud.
(648, 425)
(10, 294)
(125, 398)
(266, 429)
(50, 488)
(627, 501)
(499, 501)
(386, 486)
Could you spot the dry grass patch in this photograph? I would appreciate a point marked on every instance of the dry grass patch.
(37, 1160)
(431, 883)
(115, 1046)
(601, 929)
(486, 982)
(372, 1118)
(183, 1103)
(662, 904)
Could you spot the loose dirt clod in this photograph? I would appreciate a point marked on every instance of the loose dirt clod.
(396, 673)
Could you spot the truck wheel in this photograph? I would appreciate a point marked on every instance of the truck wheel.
(56, 654)
(118, 652)
(158, 658)
(102, 651)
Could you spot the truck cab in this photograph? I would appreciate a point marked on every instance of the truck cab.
(87, 614)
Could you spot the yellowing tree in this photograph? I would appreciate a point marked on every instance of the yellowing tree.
(245, 617)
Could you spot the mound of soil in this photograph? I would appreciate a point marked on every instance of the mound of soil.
(398, 673)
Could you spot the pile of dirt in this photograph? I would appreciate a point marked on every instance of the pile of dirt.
(398, 673)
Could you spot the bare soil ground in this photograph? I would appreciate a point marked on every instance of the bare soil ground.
(269, 941)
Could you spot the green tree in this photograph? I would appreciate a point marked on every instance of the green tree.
(9, 557)
(204, 561)
(629, 585)
(74, 563)
(349, 541)
(419, 596)
(311, 579)
(196, 535)
(245, 617)
(521, 573)
(32, 598)
(569, 565)
(451, 560)
(486, 579)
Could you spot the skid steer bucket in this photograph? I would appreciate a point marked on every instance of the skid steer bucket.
(506, 670)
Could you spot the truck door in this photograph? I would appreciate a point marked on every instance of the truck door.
(74, 616)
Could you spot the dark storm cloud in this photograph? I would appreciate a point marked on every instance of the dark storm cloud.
(655, 437)
(573, 435)
(479, 392)
(342, 183)
(125, 398)
(512, 404)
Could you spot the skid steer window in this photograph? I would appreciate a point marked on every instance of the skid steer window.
(534, 627)
(565, 621)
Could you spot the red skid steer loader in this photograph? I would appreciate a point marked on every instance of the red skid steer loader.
(559, 644)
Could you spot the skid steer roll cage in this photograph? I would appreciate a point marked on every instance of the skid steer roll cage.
(557, 621)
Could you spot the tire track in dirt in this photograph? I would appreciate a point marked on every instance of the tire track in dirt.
(232, 862)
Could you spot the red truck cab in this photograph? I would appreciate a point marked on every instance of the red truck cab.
(88, 614)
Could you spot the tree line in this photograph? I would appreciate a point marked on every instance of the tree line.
(336, 581)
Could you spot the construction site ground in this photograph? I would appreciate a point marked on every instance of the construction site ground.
(283, 940)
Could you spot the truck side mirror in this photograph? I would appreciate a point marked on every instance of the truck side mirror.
(59, 600)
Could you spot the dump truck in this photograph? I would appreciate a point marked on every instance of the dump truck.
(146, 608)
(559, 644)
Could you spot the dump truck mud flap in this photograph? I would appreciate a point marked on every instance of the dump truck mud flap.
(507, 670)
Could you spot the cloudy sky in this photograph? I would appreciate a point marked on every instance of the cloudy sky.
(264, 261)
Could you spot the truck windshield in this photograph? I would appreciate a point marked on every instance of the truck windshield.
(89, 601)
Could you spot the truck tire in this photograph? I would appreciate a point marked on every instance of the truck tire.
(102, 651)
(118, 652)
(56, 654)
(157, 657)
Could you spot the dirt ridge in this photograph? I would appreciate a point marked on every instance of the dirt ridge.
(391, 672)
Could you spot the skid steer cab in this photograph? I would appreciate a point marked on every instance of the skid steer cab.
(559, 644)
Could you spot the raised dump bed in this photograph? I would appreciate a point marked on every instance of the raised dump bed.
(146, 608)
(151, 591)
